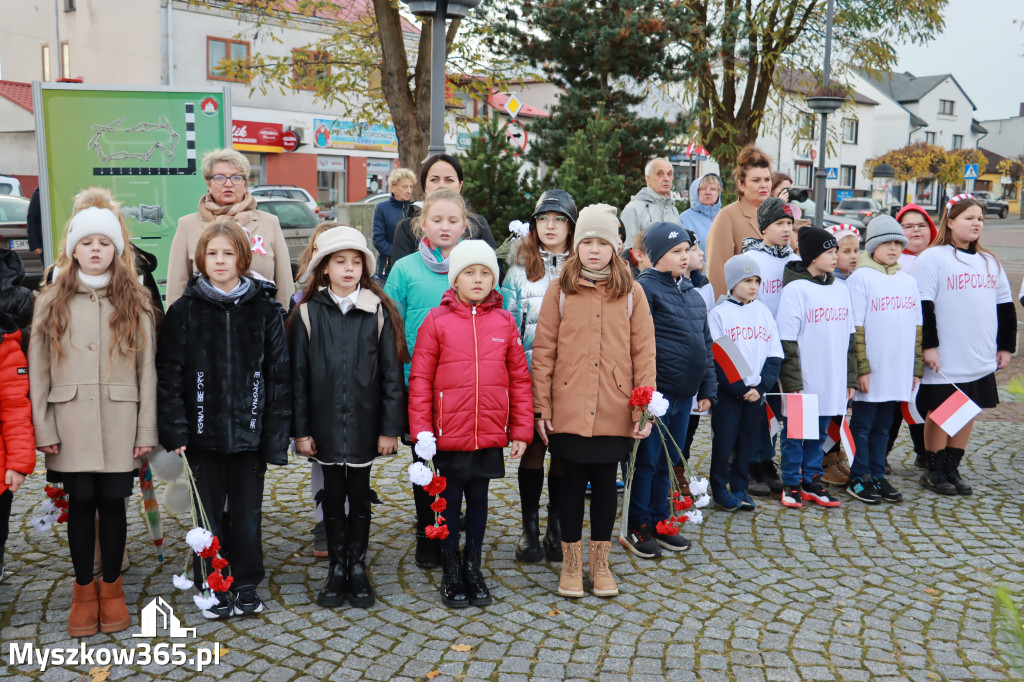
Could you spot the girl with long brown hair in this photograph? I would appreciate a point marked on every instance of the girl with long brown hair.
(93, 389)
(349, 398)
(969, 332)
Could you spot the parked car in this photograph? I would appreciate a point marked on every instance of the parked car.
(11, 186)
(862, 208)
(14, 236)
(286, 192)
(375, 198)
(297, 222)
(993, 205)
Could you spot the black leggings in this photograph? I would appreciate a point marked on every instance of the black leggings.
(603, 500)
(113, 527)
(341, 483)
(475, 492)
(5, 518)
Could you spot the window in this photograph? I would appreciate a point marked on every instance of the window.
(929, 137)
(219, 50)
(65, 60)
(808, 126)
(847, 176)
(46, 62)
(851, 127)
(802, 177)
(958, 142)
(308, 67)
(946, 107)
(70, 5)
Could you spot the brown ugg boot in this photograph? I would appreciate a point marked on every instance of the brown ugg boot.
(113, 610)
(833, 475)
(570, 584)
(601, 577)
(84, 616)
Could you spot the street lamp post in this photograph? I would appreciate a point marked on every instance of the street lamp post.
(439, 11)
(824, 105)
(884, 171)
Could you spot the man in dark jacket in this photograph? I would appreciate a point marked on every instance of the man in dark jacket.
(34, 222)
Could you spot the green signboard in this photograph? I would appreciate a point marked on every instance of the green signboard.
(144, 144)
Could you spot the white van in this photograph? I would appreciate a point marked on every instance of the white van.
(9, 185)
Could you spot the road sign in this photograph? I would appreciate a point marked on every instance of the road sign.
(513, 105)
(516, 135)
(290, 140)
(464, 140)
(832, 173)
(844, 194)
(971, 171)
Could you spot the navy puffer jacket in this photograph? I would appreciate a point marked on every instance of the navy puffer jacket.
(682, 337)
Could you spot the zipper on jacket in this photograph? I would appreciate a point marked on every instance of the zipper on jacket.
(508, 409)
(476, 392)
(440, 415)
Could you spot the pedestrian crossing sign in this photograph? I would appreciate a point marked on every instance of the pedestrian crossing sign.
(832, 173)
(971, 171)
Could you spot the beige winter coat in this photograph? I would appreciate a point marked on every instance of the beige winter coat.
(275, 265)
(725, 239)
(98, 413)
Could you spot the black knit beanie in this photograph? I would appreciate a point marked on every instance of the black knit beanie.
(772, 209)
(813, 242)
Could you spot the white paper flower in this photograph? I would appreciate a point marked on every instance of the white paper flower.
(518, 229)
(205, 602)
(181, 582)
(48, 507)
(420, 473)
(426, 445)
(702, 501)
(659, 404)
(698, 486)
(198, 539)
(695, 516)
(42, 523)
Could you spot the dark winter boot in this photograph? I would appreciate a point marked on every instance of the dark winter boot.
(428, 552)
(531, 482)
(934, 477)
(953, 457)
(332, 594)
(476, 589)
(453, 587)
(553, 536)
(756, 486)
(360, 590)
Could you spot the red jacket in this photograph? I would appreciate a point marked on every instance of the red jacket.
(17, 439)
(469, 384)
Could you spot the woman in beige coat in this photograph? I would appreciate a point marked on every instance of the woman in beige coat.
(226, 173)
(93, 387)
(594, 344)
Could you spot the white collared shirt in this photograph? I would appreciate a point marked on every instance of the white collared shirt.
(345, 303)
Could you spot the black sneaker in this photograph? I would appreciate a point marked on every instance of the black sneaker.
(816, 493)
(248, 602)
(770, 476)
(672, 543)
(864, 489)
(641, 543)
(888, 493)
(222, 609)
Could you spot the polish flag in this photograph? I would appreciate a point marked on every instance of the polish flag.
(839, 432)
(802, 416)
(773, 421)
(730, 359)
(954, 414)
(909, 409)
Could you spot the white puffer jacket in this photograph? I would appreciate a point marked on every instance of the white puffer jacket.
(523, 297)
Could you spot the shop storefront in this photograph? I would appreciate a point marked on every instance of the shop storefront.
(367, 155)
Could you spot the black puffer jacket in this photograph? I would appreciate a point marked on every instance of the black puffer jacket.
(15, 300)
(685, 363)
(224, 374)
(348, 388)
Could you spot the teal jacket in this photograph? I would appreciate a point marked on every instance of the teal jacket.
(416, 289)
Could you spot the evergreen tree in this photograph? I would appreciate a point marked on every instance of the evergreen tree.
(586, 171)
(494, 182)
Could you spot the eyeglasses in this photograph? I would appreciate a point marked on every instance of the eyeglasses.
(557, 220)
(236, 179)
(915, 226)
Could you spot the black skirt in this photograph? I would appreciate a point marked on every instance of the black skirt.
(983, 391)
(465, 465)
(594, 450)
(91, 485)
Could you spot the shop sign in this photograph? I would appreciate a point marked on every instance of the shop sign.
(342, 134)
(255, 136)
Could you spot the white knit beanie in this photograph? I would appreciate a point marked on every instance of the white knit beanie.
(471, 252)
(94, 220)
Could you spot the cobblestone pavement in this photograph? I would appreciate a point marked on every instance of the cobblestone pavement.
(860, 593)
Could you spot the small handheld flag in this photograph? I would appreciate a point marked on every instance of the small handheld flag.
(839, 432)
(802, 416)
(773, 421)
(955, 412)
(729, 357)
(909, 409)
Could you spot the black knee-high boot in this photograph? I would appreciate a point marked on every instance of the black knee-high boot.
(428, 552)
(531, 483)
(553, 536)
(360, 591)
(332, 594)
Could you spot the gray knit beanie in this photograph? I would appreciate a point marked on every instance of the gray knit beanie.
(739, 268)
(882, 229)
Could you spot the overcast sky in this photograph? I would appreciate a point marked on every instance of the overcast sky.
(982, 48)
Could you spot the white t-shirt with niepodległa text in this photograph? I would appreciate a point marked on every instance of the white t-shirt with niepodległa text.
(819, 317)
(888, 307)
(965, 287)
(771, 277)
(751, 327)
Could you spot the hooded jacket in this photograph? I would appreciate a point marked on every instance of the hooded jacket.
(469, 384)
(386, 217)
(698, 217)
(522, 298)
(415, 289)
(15, 300)
(405, 241)
(348, 385)
(17, 442)
(645, 208)
(908, 257)
(225, 375)
(682, 337)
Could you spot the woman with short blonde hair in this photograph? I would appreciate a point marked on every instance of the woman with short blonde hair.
(387, 215)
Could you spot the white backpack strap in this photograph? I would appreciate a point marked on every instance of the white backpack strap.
(629, 306)
(304, 314)
(380, 320)
(561, 304)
